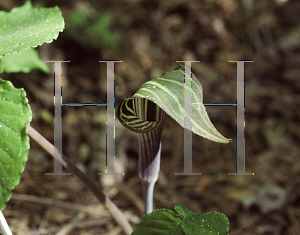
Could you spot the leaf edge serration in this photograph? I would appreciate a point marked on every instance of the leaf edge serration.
(25, 142)
(60, 27)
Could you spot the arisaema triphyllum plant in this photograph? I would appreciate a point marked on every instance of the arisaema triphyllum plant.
(145, 113)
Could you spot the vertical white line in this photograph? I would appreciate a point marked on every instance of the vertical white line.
(3, 225)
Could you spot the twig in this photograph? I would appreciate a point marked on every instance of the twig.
(69, 227)
(81, 225)
(4, 226)
(54, 202)
(131, 195)
(112, 208)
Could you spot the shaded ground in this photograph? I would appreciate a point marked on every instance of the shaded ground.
(151, 36)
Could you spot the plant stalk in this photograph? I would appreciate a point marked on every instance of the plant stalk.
(110, 206)
(4, 229)
(145, 118)
(149, 164)
(148, 190)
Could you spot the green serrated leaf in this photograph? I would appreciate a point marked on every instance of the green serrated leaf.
(159, 222)
(181, 221)
(23, 61)
(26, 27)
(168, 93)
(181, 210)
(210, 223)
(15, 115)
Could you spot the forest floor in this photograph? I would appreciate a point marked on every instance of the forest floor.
(149, 37)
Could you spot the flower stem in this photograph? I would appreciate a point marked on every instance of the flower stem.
(149, 164)
(148, 196)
